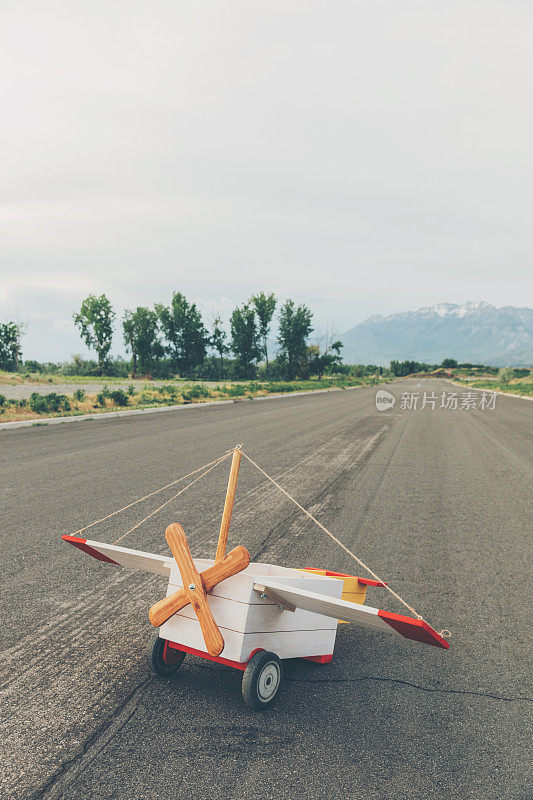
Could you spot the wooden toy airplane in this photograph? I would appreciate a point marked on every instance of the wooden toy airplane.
(250, 615)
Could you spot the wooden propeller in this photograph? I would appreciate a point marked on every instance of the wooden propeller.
(196, 586)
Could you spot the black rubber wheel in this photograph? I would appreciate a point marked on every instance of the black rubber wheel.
(262, 680)
(156, 659)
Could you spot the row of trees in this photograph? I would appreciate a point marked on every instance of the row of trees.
(174, 339)
(402, 368)
(178, 333)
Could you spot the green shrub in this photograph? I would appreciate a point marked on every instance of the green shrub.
(79, 395)
(53, 402)
(168, 389)
(100, 399)
(57, 402)
(2, 400)
(238, 390)
(195, 392)
(198, 391)
(105, 391)
(149, 399)
(119, 397)
(282, 387)
(38, 403)
(131, 390)
(505, 375)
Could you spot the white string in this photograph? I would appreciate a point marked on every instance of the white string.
(146, 496)
(337, 541)
(219, 461)
(210, 466)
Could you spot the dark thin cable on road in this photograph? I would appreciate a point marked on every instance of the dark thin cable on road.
(410, 684)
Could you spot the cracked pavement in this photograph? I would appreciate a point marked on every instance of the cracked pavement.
(437, 502)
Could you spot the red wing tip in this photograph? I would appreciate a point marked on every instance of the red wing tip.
(417, 629)
(370, 582)
(87, 548)
(440, 641)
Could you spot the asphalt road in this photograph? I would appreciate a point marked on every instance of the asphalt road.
(436, 501)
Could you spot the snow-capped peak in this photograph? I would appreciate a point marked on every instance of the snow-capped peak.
(478, 305)
(475, 332)
(445, 309)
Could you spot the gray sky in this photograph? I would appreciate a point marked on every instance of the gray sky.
(363, 157)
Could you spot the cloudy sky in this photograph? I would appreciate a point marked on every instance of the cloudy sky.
(363, 157)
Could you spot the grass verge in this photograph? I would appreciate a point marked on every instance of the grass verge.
(513, 387)
(79, 402)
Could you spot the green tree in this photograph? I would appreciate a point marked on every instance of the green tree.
(315, 361)
(77, 363)
(324, 362)
(335, 351)
(95, 322)
(505, 375)
(295, 325)
(217, 341)
(449, 363)
(265, 305)
(184, 330)
(402, 368)
(245, 340)
(141, 337)
(10, 350)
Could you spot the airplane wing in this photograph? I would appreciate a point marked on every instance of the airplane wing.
(384, 621)
(123, 556)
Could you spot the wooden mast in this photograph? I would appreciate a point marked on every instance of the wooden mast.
(228, 505)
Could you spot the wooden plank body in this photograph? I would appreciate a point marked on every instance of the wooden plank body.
(239, 647)
(248, 622)
(309, 592)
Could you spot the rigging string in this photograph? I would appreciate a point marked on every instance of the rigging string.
(211, 464)
(337, 541)
(219, 461)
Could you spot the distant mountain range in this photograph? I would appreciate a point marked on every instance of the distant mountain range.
(474, 332)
